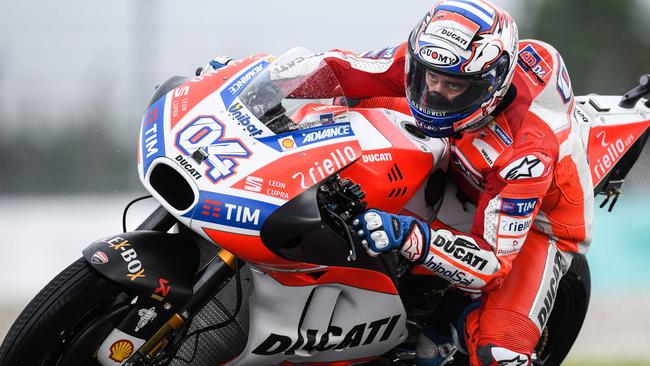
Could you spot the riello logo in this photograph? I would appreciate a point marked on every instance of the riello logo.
(613, 152)
(326, 166)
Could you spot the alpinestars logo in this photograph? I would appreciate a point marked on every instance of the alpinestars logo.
(517, 361)
(414, 244)
(527, 167)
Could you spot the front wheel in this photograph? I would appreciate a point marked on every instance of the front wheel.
(53, 329)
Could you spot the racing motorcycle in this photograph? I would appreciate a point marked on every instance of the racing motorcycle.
(258, 168)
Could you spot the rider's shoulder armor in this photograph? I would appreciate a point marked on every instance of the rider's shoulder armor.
(544, 75)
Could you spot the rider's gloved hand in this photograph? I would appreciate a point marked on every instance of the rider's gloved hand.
(383, 232)
(215, 64)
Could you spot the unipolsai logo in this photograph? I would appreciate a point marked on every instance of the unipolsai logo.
(207, 133)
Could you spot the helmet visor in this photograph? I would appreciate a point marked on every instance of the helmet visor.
(439, 94)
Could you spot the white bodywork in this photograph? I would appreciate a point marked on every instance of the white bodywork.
(325, 323)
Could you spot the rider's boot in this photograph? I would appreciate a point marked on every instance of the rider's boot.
(436, 347)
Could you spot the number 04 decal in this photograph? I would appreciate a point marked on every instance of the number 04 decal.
(207, 132)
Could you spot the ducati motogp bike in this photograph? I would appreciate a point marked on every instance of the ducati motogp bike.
(250, 259)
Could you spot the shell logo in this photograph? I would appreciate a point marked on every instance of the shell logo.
(121, 350)
(287, 143)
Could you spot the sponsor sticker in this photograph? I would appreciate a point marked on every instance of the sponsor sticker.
(376, 157)
(487, 152)
(527, 167)
(164, 287)
(378, 330)
(531, 61)
(153, 135)
(242, 116)
(514, 225)
(463, 249)
(453, 27)
(99, 258)
(508, 246)
(146, 316)
(287, 143)
(253, 184)
(300, 138)
(413, 244)
(503, 136)
(121, 350)
(270, 187)
(518, 206)
(325, 166)
(188, 167)
(232, 90)
(231, 211)
(130, 256)
(438, 56)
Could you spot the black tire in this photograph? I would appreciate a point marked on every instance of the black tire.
(569, 311)
(66, 321)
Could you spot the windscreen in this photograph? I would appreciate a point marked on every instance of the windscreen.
(292, 92)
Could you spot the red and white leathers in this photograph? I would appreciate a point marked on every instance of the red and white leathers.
(527, 173)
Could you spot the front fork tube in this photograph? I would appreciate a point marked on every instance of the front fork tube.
(221, 269)
(211, 280)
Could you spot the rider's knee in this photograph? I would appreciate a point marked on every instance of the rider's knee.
(505, 335)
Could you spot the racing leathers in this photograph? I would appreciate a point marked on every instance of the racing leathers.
(527, 173)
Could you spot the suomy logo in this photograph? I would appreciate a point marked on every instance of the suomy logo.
(439, 56)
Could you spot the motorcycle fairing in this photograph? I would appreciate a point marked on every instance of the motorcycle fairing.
(199, 115)
(608, 131)
(301, 324)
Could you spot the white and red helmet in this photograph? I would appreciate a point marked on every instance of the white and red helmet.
(472, 42)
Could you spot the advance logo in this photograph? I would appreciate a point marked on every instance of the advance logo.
(309, 136)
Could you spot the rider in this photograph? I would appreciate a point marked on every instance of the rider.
(516, 153)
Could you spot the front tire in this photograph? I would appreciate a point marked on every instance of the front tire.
(67, 320)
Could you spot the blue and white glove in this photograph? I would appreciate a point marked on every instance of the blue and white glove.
(383, 232)
(215, 64)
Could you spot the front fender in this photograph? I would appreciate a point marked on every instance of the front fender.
(150, 263)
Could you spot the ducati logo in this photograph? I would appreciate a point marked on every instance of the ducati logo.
(279, 343)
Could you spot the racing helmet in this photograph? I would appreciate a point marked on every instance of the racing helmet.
(459, 65)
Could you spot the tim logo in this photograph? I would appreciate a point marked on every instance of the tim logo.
(518, 206)
(207, 132)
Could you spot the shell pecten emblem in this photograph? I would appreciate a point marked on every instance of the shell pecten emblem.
(287, 143)
(121, 350)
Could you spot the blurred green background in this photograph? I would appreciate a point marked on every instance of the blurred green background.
(75, 76)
